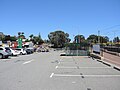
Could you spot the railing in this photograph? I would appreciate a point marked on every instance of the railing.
(76, 52)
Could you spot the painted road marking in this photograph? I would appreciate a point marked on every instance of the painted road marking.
(66, 61)
(28, 61)
(67, 75)
(64, 67)
(51, 75)
(66, 57)
(56, 67)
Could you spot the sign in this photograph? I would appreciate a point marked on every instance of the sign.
(0, 42)
(20, 43)
(96, 48)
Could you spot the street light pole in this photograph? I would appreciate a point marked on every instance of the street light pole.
(98, 36)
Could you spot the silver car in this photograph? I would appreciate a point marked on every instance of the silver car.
(3, 53)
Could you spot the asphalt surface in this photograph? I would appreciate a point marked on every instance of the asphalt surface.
(50, 71)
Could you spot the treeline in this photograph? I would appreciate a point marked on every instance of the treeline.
(60, 38)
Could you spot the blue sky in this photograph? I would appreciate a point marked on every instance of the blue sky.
(72, 16)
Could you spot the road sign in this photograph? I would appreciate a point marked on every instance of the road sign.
(19, 42)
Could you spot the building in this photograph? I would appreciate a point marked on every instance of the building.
(1, 35)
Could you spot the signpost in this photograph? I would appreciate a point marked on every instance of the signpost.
(19, 42)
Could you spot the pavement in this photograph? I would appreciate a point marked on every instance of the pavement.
(112, 58)
(50, 71)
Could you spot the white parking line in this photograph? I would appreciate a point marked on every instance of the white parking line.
(56, 67)
(66, 57)
(51, 75)
(65, 75)
(28, 61)
(60, 67)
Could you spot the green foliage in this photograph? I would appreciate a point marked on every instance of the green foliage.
(27, 40)
(79, 38)
(9, 38)
(36, 39)
(59, 38)
(21, 35)
(116, 40)
(94, 39)
(13, 38)
(31, 36)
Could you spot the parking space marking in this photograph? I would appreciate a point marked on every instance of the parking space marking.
(51, 75)
(66, 57)
(56, 67)
(76, 67)
(28, 62)
(68, 75)
(60, 67)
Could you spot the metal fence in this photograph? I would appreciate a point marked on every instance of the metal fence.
(76, 52)
(77, 49)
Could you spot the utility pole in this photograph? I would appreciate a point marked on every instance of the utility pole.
(114, 40)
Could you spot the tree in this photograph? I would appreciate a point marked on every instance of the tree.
(21, 35)
(31, 36)
(116, 40)
(27, 40)
(79, 38)
(13, 38)
(10, 38)
(92, 38)
(58, 38)
(106, 39)
(7, 37)
(36, 39)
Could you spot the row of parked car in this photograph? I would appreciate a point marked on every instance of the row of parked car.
(5, 52)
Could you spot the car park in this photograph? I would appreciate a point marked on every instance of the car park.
(21, 51)
(3, 53)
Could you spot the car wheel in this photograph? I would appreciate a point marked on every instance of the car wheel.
(1, 56)
(12, 54)
(20, 53)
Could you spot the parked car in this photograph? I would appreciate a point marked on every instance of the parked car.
(28, 51)
(8, 51)
(14, 52)
(39, 49)
(31, 48)
(21, 51)
(3, 53)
